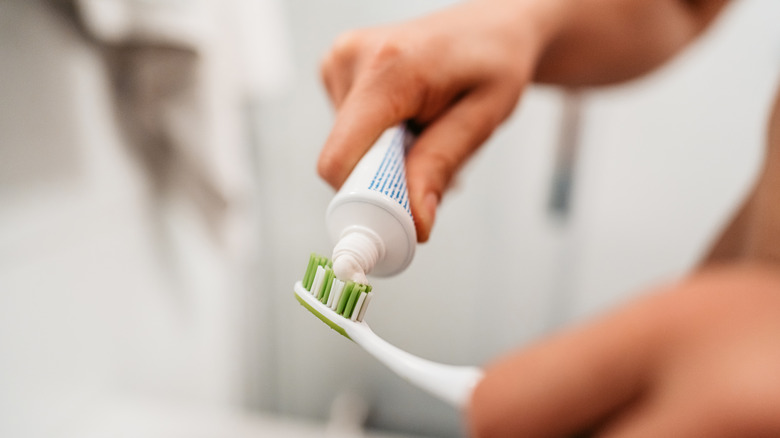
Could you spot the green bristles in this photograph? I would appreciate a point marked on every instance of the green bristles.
(309, 275)
(353, 297)
(345, 297)
(314, 261)
(327, 284)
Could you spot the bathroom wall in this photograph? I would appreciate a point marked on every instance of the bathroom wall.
(120, 304)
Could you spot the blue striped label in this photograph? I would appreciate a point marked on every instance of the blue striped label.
(390, 177)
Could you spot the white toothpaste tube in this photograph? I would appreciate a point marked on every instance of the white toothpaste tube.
(370, 219)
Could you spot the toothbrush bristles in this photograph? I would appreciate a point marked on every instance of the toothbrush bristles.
(348, 299)
(358, 305)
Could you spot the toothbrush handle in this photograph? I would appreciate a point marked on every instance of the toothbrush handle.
(450, 383)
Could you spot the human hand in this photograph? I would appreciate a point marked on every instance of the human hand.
(456, 75)
(699, 359)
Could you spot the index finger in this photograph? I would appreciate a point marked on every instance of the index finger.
(368, 110)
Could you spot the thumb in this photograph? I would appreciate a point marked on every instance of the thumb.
(442, 149)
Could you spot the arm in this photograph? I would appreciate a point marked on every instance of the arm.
(695, 359)
(606, 41)
(458, 74)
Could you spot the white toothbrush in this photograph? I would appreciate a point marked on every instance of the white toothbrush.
(330, 299)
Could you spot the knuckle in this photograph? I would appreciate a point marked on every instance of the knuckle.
(388, 55)
(347, 43)
(443, 166)
(344, 48)
(479, 125)
(388, 51)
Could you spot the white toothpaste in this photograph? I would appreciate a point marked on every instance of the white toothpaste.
(370, 218)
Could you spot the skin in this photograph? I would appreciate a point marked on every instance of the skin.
(695, 358)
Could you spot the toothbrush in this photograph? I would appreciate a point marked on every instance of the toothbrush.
(342, 306)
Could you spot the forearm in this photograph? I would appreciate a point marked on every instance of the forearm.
(598, 42)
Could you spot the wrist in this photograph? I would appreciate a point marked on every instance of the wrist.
(536, 21)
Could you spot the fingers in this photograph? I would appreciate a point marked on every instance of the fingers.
(364, 115)
(385, 93)
(444, 147)
(571, 383)
(358, 123)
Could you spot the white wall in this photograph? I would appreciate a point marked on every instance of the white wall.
(108, 293)
(662, 162)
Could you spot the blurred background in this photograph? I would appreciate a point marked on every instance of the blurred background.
(158, 200)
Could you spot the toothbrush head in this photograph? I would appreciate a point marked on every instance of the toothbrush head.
(335, 302)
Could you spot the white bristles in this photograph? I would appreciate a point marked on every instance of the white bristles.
(358, 306)
(364, 306)
(316, 285)
(336, 294)
(338, 287)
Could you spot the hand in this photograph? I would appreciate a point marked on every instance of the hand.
(456, 75)
(699, 359)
